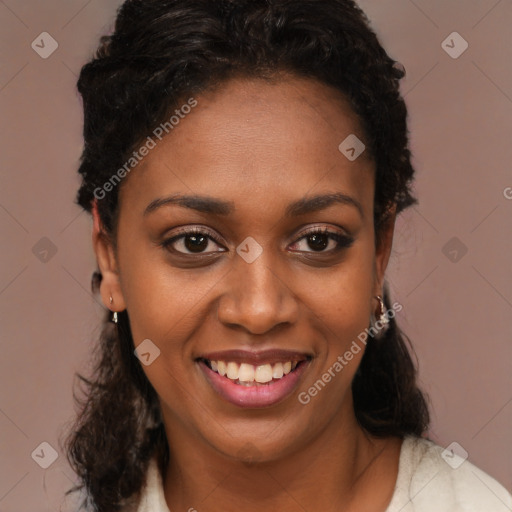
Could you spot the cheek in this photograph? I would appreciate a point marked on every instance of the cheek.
(342, 298)
(343, 304)
(163, 305)
(166, 307)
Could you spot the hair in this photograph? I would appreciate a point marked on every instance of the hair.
(160, 52)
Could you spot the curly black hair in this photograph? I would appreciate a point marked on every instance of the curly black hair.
(160, 53)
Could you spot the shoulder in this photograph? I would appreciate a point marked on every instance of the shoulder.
(433, 479)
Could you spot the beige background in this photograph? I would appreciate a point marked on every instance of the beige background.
(457, 313)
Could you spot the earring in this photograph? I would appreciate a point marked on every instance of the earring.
(382, 324)
(114, 315)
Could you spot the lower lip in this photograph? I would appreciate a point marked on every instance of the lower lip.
(254, 396)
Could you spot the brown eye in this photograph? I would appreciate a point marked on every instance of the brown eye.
(318, 240)
(193, 241)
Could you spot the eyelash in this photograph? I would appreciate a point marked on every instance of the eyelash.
(342, 241)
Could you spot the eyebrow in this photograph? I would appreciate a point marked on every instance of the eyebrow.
(206, 204)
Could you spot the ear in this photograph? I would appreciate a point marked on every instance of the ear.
(383, 249)
(105, 256)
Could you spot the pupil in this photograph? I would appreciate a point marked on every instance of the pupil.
(198, 243)
(319, 242)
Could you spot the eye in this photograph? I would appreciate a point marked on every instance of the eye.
(198, 240)
(319, 238)
(191, 241)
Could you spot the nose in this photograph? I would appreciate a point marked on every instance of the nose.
(257, 296)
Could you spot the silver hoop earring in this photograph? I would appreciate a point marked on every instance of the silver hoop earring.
(381, 325)
(114, 314)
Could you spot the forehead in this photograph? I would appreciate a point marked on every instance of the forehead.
(251, 137)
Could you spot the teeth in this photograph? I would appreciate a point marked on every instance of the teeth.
(277, 371)
(221, 368)
(232, 371)
(248, 375)
(263, 373)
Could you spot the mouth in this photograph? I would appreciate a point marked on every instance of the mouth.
(245, 374)
(254, 380)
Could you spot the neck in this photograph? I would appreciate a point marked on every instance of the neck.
(344, 462)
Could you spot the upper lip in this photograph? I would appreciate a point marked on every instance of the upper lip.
(269, 356)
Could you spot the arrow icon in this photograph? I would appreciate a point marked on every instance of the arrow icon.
(249, 249)
(44, 250)
(454, 458)
(44, 455)
(454, 45)
(351, 147)
(44, 45)
(147, 352)
(454, 249)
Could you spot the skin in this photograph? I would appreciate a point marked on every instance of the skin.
(260, 146)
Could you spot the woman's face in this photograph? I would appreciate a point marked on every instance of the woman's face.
(251, 163)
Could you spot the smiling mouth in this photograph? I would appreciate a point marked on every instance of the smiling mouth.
(245, 374)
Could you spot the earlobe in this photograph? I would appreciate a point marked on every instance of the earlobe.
(110, 287)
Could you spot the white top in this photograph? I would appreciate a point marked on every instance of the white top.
(426, 482)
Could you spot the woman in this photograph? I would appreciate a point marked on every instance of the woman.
(244, 164)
